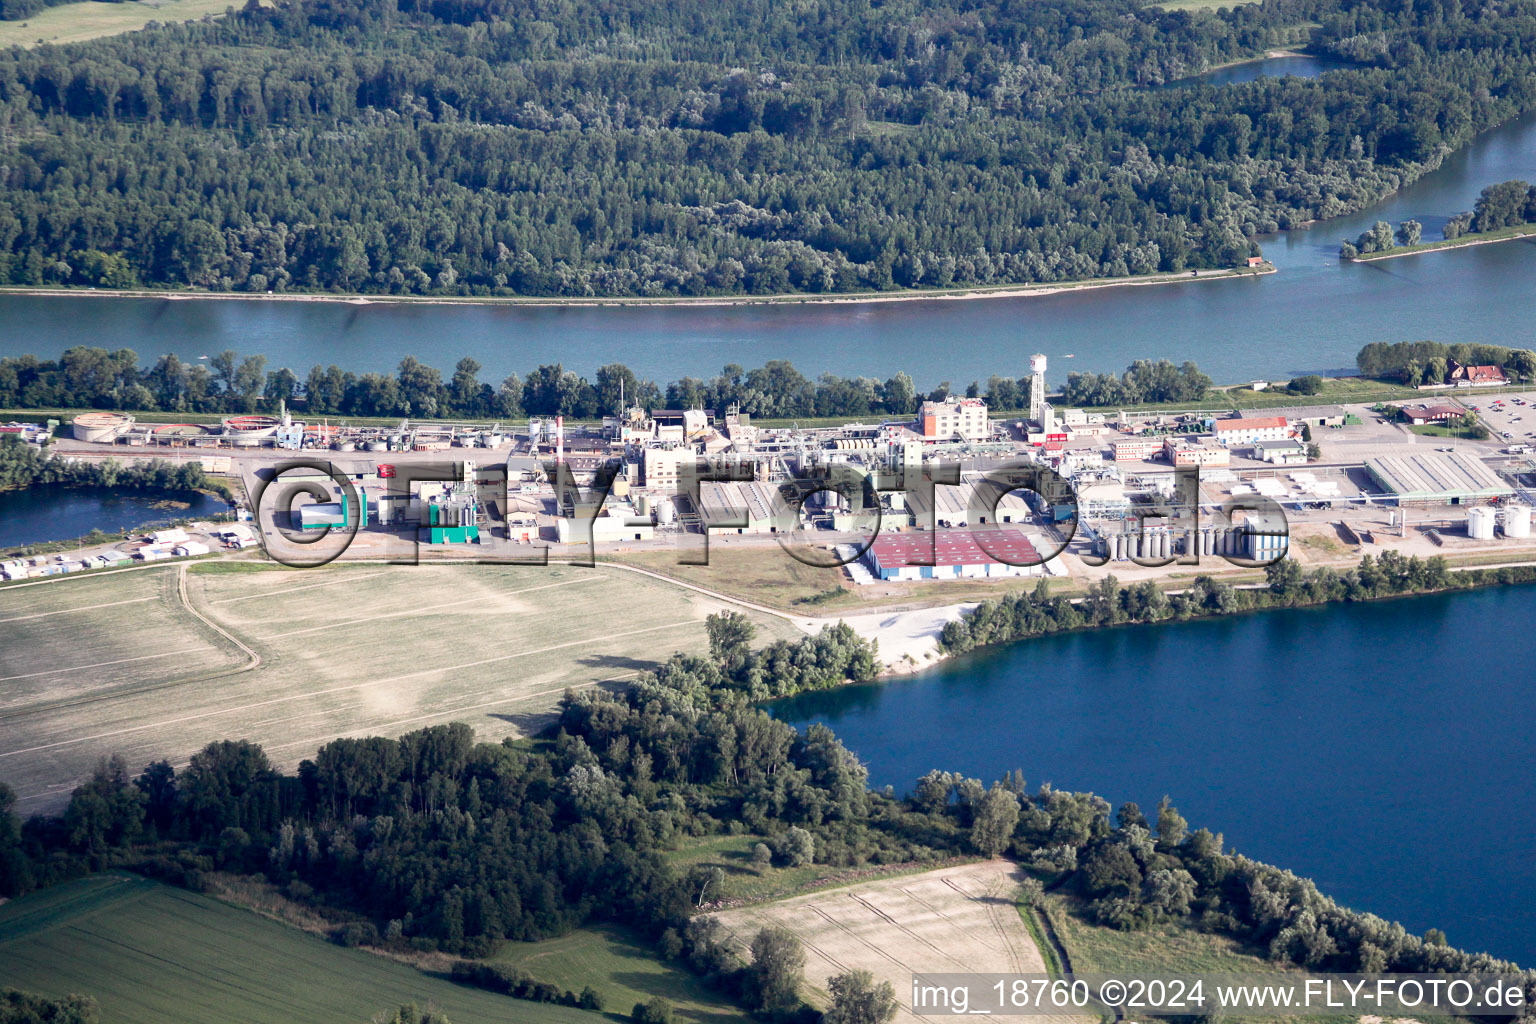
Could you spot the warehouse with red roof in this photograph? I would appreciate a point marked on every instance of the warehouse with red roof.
(953, 554)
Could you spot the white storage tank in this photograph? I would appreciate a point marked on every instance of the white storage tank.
(1517, 521)
(666, 512)
(1480, 523)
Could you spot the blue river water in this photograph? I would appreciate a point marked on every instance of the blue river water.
(1383, 749)
(41, 514)
(1312, 316)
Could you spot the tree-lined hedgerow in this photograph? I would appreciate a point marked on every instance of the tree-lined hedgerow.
(94, 378)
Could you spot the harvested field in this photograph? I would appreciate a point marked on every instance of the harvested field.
(149, 953)
(71, 23)
(960, 919)
(308, 655)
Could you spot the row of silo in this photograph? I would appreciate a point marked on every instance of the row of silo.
(1163, 543)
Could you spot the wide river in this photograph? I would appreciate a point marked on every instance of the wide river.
(1384, 749)
(1312, 316)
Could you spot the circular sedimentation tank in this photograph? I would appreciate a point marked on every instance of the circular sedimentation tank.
(100, 426)
(180, 431)
(250, 429)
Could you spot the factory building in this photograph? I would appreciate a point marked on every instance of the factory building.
(614, 523)
(1281, 453)
(737, 501)
(661, 468)
(331, 513)
(1437, 479)
(955, 554)
(963, 418)
(1184, 452)
(949, 505)
(1249, 430)
(1135, 449)
(1105, 500)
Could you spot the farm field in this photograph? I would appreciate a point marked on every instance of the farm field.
(622, 969)
(71, 23)
(149, 953)
(959, 919)
(504, 644)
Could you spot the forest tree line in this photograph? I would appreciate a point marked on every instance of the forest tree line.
(480, 147)
(94, 378)
(22, 465)
(1418, 362)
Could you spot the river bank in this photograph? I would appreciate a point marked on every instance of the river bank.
(1464, 241)
(1000, 291)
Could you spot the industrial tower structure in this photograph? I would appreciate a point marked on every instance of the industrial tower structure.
(1037, 407)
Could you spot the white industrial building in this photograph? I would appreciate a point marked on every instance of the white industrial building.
(963, 418)
(1250, 430)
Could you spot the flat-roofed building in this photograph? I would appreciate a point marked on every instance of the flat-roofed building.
(965, 418)
(1184, 452)
(662, 467)
(1281, 453)
(1135, 449)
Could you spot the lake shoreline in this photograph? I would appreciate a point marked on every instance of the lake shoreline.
(1008, 291)
(906, 665)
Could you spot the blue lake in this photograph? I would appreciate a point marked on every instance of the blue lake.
(1300, 65)
(1384, 750)
(41, 514)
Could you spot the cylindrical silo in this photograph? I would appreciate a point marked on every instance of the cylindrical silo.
(1480, 524)
(1517, 521)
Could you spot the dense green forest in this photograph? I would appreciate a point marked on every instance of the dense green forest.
(15, 10)
(94, 378)
(477, 147)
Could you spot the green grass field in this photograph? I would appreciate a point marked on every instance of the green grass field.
(91, 666)
(743, 881)
(1440, 430)
(149, 953)
(623, 971)
(1171, 949)
(71, 23)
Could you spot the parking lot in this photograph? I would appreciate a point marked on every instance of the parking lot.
(1511, 417)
